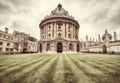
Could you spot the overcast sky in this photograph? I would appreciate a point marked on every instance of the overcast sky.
(94, 16)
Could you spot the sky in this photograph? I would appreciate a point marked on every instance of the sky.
(94, 16)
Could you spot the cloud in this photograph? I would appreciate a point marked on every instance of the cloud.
(94, 16)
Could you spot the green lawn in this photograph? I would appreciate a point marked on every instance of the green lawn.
(59, 68)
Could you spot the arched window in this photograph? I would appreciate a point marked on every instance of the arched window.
(48, 47)
(69, 35)
(59, 27)
(70, 47)
(49, 28)
(49, 35)
(69, 29)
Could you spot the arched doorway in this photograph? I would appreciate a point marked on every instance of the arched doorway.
(40, 47)
(70, 47)
(48, 47)
(59, 47)
(24, 50)
(78, 48)
(104, 49)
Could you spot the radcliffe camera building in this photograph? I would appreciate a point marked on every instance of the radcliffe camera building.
(59, 32)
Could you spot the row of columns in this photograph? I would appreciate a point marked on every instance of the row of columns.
(64, 32)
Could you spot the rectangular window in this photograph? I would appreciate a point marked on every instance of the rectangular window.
(11, 49)
(8, 37)
(7, 49)
(8, 44)
(0, 49)
(16, 45)
(1, 43)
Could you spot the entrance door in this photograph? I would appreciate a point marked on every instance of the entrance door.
(104, 49)
(78, 48)
(59, 47)
(40, 47)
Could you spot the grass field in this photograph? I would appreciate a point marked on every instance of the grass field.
(59, 68)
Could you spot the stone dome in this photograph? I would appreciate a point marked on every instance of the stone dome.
(106, 35)
(59, 11)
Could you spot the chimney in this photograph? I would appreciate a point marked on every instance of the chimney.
(86, 38)
(6, 30)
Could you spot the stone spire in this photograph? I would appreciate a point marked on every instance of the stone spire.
(86, 38)
(90, 41)
(99, 38)
(106, 31)
(115, 36)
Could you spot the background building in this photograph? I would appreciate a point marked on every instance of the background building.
(18, 42)
(6, 42)
(59, 32)
(24, 42)
(103, 44)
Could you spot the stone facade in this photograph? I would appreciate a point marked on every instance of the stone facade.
(104, 44)
(59, 32)
(6, 42)
(18, 42)
(24, 42)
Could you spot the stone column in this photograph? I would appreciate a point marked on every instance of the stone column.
(53, 30)
(56, 31)
(44, 31)
(78, 32)
(65, 29)
(40, 33)
(73, 31)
